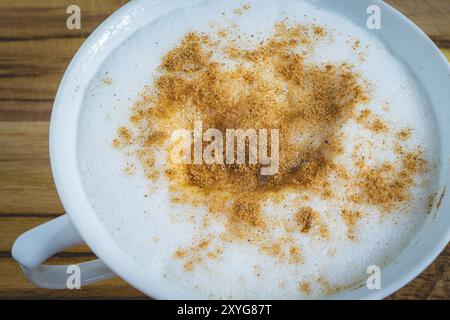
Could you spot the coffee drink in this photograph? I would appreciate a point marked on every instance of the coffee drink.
(310, 150)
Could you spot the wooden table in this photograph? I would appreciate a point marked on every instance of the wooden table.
(35, 49)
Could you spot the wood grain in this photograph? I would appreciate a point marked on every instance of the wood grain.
(11, 226)
(15, 286)
(26, 184)
(35, 49)
(432, 16)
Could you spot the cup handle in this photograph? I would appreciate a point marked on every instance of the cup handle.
(35, 246)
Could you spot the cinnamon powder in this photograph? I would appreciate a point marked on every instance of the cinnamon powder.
(267, 86)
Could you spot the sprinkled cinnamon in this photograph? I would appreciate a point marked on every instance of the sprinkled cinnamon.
(304, 287)
(307, 219)
(386, 186)
(269, 85)
(350, 219)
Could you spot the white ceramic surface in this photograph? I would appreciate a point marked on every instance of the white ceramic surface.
(81, 224)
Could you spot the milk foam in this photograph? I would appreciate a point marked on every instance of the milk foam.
(139, 215)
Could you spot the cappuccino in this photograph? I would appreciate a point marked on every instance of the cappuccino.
(357, 163)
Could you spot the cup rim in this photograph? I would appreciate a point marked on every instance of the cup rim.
(63, 140)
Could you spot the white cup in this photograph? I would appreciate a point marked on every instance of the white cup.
(81, 225)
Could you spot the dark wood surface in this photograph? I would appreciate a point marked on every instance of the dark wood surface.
(35, 49)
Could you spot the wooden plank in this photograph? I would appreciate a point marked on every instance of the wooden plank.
(433, 283)
(432, 16)
(26, 184)
(36, 46)
(35, 73)
(25, 110)
(14, 285)
(13, 226)
(44, 19)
